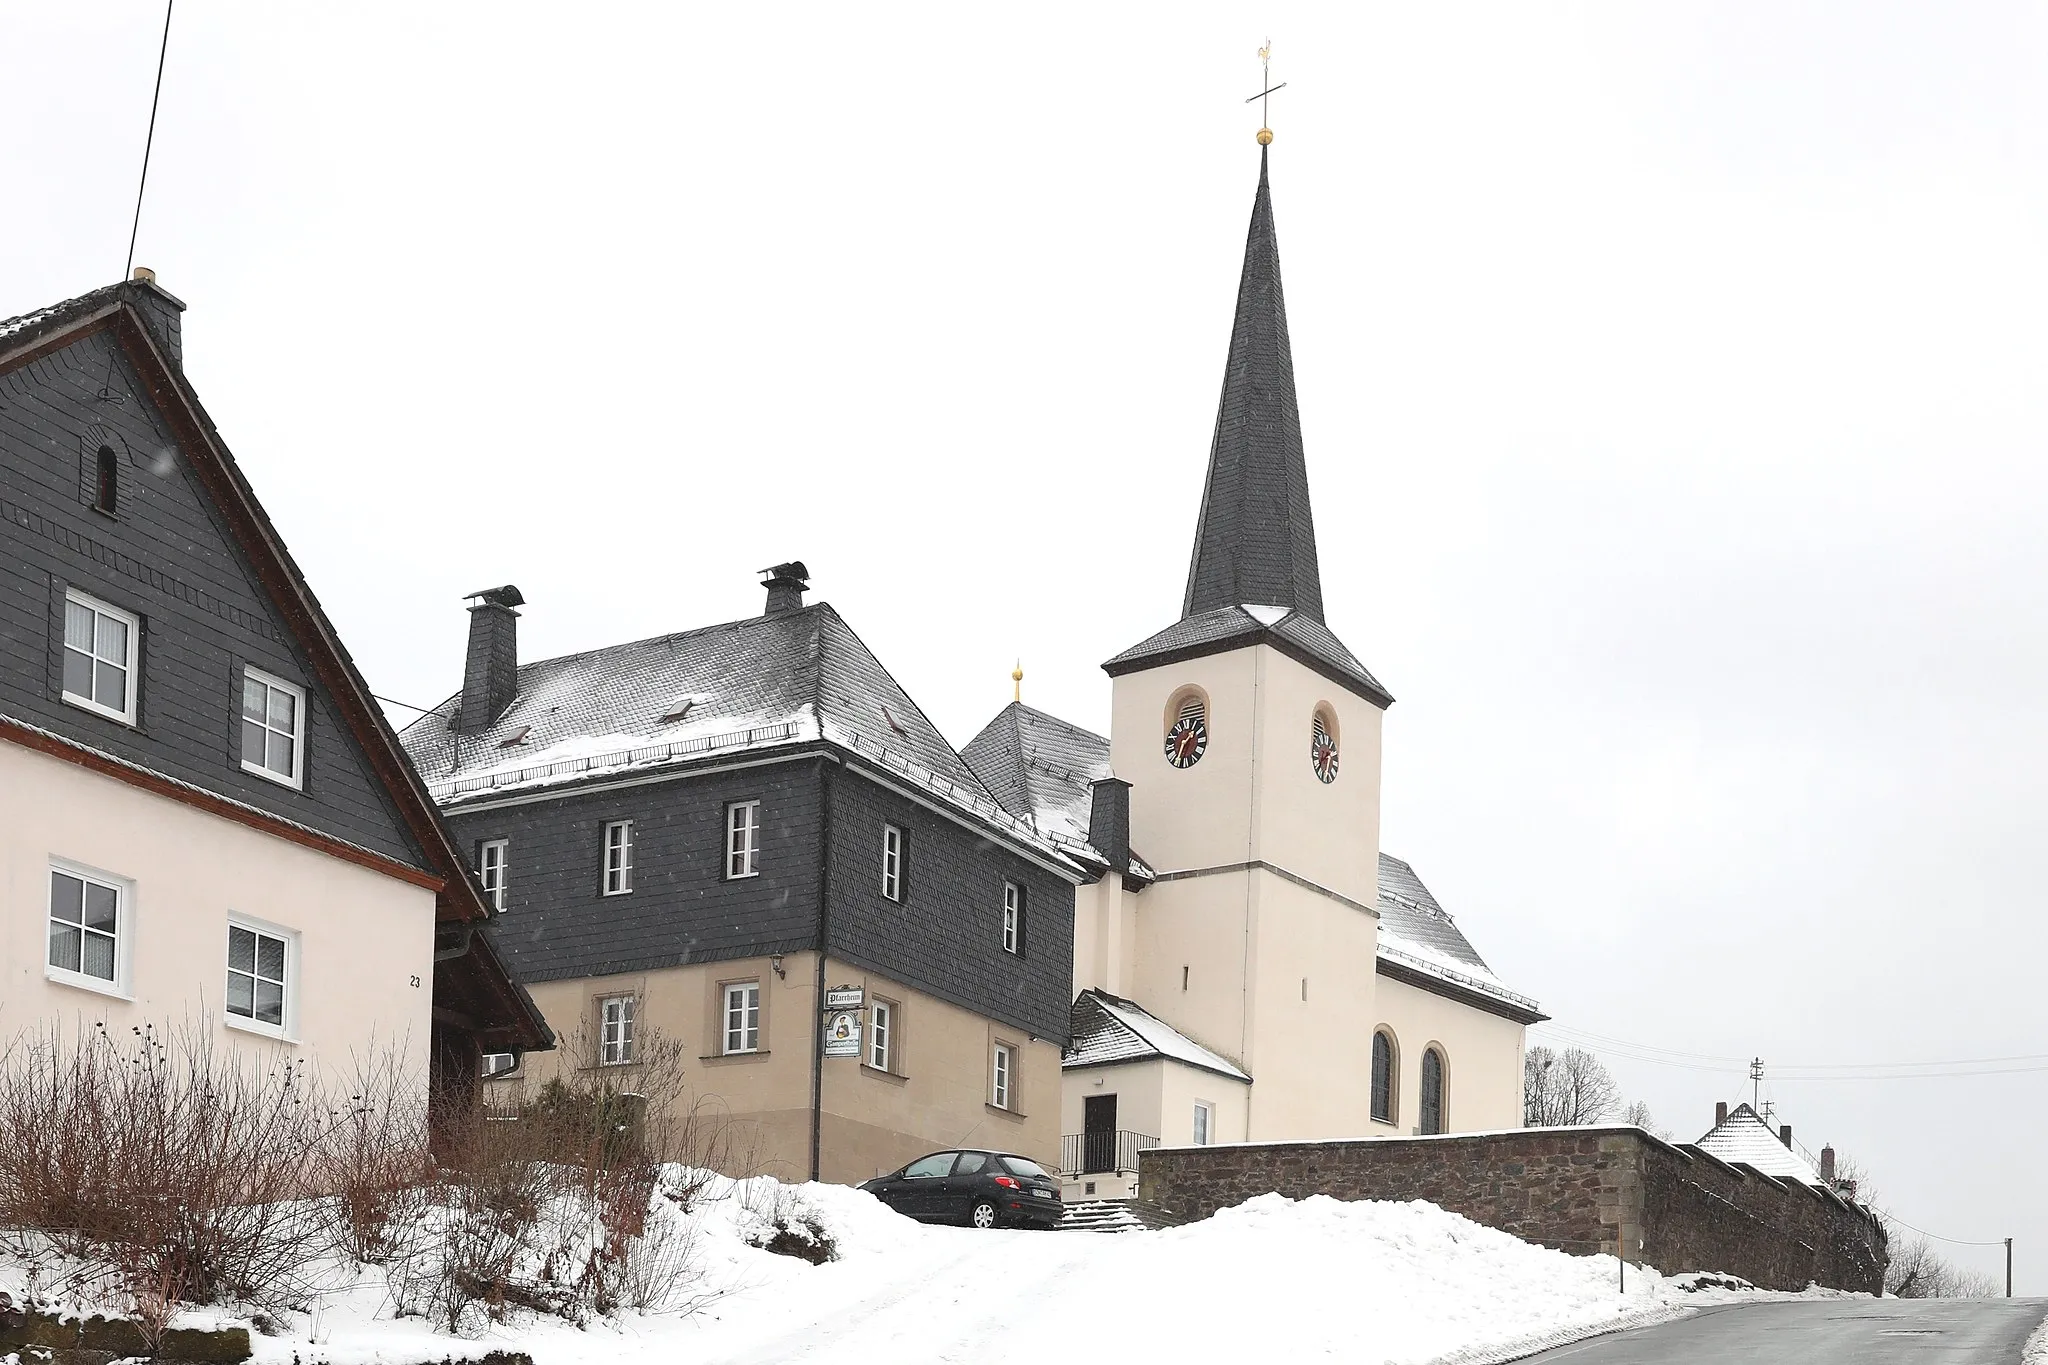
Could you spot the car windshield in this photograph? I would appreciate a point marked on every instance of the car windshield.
(1023, 1166)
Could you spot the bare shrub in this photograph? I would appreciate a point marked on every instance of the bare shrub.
(567, 1204)
(172, 1172)
(374, 1158)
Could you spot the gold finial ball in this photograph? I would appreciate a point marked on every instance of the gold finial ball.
(1017, 673)
(1265, 137)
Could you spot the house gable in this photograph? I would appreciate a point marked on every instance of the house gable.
(166, 556)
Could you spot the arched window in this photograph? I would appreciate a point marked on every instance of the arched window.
(105, 486)
(1432, 1091)
(1383, 1077)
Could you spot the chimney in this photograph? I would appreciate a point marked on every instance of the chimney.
(1720, 1113)
(160, 311)
(1827, 1165)
(1785, 1135)
(1109, 822)
(490, 672)
(786, 584)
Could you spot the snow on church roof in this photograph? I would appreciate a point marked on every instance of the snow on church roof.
(1040, 768)
(1107, 1028)
(1744, 1137)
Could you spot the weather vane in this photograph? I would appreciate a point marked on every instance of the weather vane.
(1264, 96)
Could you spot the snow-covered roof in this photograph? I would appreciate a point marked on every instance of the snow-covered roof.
(1744, 1137)
(1108, 1028)
(1043, 770)
(69, 308)
(1420, 934)
(769, 681)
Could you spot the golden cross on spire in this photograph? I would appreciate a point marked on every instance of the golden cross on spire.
(1264, 97)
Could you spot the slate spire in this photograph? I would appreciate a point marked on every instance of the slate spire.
(1256, 540)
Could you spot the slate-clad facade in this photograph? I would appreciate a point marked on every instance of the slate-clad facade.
(165, 859)
(164, 556)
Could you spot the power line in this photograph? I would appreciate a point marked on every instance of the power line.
(1810, 1071)
(150, 141)
(406, 704)
(1952, 1241)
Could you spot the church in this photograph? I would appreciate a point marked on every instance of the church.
(748, 838)
(1261, 970)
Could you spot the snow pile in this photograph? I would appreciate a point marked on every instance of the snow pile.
(1394, 1284)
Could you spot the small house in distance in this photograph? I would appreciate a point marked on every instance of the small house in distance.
(713, 833)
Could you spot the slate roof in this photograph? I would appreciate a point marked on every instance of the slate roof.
(1746, 1138)
(1253, 576)
(1255, 540)
(1293, 633)
(1043, 769)
(787, 678)
(1108, 1028)
(59, 315)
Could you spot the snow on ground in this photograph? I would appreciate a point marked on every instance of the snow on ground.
(1310, 1279)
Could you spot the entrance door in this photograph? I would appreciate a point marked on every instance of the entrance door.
(1098, 1134)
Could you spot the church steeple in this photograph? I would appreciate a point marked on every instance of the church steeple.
(1256, 539)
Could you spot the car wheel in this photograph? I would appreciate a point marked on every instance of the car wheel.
(984, 1214)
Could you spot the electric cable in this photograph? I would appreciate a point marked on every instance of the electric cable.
(150, 141)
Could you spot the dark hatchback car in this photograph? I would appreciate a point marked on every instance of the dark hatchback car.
(979, 1188)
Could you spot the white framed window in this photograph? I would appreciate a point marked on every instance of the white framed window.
(618, 857)
(892, 862)
(90, 929)
(615, 1029)
(273, 728)
(881, 1034)
(743, 839)
(492, 858)
(1013, 918)
(262, 971)
(1205, 1123)
(499, 1064)
(99, 656)
(743, 1017)
(1002, 1072)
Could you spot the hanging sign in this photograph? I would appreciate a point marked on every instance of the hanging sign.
(845, 998)
(842, 1034)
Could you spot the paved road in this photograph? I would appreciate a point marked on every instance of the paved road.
(1825, 1332)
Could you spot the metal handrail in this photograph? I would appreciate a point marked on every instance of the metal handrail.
(1103, 1153)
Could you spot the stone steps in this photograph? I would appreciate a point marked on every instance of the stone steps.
(1116, 1215)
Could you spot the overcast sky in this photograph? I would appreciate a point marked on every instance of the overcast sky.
(1670, 376)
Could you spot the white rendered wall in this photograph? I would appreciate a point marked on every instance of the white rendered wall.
(365, 966)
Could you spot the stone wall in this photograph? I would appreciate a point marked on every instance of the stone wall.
(1581, 1190)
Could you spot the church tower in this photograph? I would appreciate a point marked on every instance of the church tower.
(1250, 737)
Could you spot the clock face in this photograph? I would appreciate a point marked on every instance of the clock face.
(1187, 739)
(1322, 753)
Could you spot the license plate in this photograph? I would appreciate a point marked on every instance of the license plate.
(1043, 1194)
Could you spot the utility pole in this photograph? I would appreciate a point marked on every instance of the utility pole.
(1756, 1082)
(2008, 1267)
